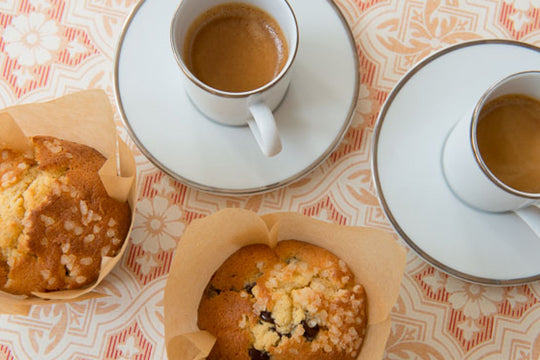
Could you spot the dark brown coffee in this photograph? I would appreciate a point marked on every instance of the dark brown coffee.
(508, 135)
(235, 47)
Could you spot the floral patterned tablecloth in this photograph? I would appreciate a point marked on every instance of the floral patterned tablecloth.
(49, 48)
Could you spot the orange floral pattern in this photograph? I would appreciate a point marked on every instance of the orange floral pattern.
(51, 47)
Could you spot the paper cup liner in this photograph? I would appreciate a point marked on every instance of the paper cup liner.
(87, 118)
(374, 256)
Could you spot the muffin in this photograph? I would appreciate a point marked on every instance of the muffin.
(57, 221)
(296, 300)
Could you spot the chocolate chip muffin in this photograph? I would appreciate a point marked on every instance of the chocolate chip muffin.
(57, 221)
(296, 300)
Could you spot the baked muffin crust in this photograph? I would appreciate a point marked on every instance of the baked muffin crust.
(56, 218)
(296, 300)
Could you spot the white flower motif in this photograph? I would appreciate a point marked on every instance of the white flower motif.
(147, 263)
(157, 225)
(41, 4)
(523, 5)
(324, 215)
(535, 288)
(515, 297)
(363, 106)
(435, 281)
(164, 187)
(23, 76)
(474, 300)
(519, 19)
(129, 349)
(75, 47)
(469, 328)
(31, 39)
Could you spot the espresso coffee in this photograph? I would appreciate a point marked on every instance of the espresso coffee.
(235, 47)
(508, 135)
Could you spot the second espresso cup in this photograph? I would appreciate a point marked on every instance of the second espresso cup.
(491, 158)
(248, 96)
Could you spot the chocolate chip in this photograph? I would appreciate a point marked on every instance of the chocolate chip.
(291, 259)
(255, 354)
(213, 291)
(266, 316)
(248, 287)
(310, 333)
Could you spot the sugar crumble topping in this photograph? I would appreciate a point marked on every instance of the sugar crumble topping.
(306, 303)
(36, 184)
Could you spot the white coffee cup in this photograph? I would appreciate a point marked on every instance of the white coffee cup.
(465, 170)
(255, 107)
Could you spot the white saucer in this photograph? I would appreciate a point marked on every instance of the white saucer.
(497, 249)
(312, 119)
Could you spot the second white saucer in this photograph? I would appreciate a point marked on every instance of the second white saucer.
(409, 137)
(312, 119)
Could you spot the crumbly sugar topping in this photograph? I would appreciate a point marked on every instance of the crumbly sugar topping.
(293, 301)
(54, 146)
(305, 299)
(25, 185)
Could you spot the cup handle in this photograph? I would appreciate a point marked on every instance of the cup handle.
(531, 216)
(263, 126)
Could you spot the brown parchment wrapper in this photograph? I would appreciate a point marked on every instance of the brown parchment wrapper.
(374, 256)
(87, 118)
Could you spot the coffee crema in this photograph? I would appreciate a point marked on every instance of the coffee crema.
(235, 47)
(508, 135)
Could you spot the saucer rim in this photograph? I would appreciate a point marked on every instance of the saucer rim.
(375, 165)
(242, 191)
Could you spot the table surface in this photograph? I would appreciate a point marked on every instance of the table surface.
(49, 48)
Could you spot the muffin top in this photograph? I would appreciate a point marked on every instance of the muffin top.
(56, 218)
(294, 300)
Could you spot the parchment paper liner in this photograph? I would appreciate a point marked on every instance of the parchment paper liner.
(374, 256)
(84, 117)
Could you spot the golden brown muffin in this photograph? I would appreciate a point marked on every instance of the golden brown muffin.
(297, 300)
(56, 219)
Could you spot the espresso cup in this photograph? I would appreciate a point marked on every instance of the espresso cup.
(491, 158)
(250, 95)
